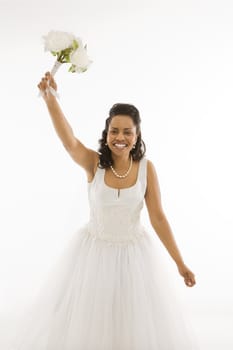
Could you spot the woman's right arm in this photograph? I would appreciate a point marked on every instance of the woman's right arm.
(82, 155)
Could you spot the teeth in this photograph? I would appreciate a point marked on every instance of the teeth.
(120, 145)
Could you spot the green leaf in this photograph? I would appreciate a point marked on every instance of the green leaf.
(75, 45)
(72, 69)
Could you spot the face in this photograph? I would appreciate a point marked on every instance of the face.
(121, 135)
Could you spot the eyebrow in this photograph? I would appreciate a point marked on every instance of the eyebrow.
(112, 127)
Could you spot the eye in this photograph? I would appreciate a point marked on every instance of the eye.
(128, 132)
(113, 132)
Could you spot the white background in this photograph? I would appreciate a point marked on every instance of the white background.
(173, 60)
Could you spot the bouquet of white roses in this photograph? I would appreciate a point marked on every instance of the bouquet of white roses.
(68, 49)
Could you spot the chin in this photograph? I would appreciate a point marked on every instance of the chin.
(119, 152)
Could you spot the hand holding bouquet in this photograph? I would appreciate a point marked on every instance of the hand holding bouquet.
(67, 49)
(46, 85)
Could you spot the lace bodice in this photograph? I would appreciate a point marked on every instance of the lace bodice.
(115, 214)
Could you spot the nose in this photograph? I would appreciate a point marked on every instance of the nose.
(120, 136)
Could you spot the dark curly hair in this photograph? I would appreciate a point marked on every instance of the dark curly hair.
(105, 157)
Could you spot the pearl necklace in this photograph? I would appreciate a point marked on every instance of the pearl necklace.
(127, 172)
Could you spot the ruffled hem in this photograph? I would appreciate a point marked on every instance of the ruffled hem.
(104, 295)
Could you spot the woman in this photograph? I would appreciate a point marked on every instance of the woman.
(109, 291)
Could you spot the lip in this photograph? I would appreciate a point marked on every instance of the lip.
(119, 145)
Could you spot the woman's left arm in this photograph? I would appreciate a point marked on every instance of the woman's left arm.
(161, 225)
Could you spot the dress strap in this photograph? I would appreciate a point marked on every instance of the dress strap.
(98, 175)
(143, 173)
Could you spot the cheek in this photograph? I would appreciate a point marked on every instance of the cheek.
(134, 139)
(109, 138)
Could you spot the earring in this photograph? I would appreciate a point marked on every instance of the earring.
(106, 144)
(134, 145)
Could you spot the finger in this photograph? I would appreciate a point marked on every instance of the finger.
(190, 282)
(48, 75)
(43, 87)
(49, 78)
(47, 81)
(40, 85)
(52, 80)
(44, 82)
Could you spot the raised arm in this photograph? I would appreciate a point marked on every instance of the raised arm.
(82, 155)
(161, 225)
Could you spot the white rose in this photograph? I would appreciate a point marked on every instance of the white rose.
(79, 59)
(57, 41)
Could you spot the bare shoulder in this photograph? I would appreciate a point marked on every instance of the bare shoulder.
(152, 179)
(153, 194)
(151, 171)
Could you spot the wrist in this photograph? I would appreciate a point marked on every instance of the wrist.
(50, 99)
(179, 263)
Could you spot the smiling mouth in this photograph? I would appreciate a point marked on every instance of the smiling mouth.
(120, 145)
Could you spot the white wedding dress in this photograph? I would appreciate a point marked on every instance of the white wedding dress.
(108, 290)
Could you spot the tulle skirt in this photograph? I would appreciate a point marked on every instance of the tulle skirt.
(105, 296)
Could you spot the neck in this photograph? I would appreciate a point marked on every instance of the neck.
(121, 162)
